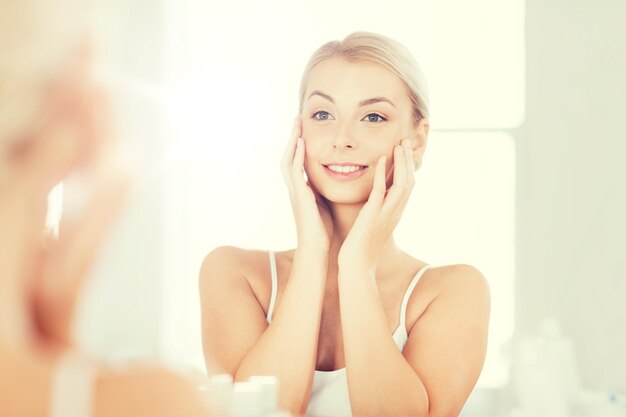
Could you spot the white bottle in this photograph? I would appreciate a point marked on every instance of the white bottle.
(545, 374)
(247, 400)
(269, 398)
(559, 352)
(221, 394)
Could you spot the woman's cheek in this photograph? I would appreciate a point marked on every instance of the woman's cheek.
(316, 139)
(315, 132)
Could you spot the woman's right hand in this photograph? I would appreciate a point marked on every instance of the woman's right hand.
(314, 223)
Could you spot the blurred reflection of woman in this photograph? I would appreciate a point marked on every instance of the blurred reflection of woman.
(42, 372)
(348, 321)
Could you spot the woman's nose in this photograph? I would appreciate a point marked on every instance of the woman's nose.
(344, 139)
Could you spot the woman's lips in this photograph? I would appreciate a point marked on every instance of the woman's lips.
(345, 170)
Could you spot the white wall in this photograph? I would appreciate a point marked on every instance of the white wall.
(571, 225)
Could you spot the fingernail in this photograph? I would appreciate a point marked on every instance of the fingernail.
(406, 143)
(384, 159)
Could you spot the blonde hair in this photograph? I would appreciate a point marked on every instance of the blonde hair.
(371, 47)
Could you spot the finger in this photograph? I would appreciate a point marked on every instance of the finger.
(399, 187)
(410, 164)
(297, 167)
(399, 162)
(291, 145)
(378, 190)
(399, 170)
(288, 154)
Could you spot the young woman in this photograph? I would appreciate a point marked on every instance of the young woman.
(348, 322)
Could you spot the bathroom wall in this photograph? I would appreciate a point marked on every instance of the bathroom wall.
(571, 192)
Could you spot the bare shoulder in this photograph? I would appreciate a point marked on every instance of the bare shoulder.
(449, 289)
(457, 278)
(236, 268)
(224, 258)
(227, 261)
(459, 289)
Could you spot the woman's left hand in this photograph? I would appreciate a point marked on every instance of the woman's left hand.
(382, 211)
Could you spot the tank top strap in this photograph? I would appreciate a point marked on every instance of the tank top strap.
(407, 295)
(270, 309)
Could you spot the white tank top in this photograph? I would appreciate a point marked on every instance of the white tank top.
(329, 395)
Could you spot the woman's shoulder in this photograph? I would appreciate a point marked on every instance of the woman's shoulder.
(456, 275)
(441, 278)
(459, 284)
(232, 260)
(456, 278)
(450, 289)
(233, 270)
(227, 265)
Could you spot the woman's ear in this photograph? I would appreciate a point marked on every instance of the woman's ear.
(419, 139)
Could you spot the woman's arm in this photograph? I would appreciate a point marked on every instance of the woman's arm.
(146, 391)
(446, 348)
(236, 336)
(442, 358)
(235, 332)
(28, 377)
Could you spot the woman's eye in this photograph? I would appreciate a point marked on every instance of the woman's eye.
(375, 118)
(322, 115)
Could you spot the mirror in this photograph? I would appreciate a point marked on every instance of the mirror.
(522, 177)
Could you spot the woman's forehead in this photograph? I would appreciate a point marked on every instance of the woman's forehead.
(355, 81)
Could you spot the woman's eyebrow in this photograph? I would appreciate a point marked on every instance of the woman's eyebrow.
(319, 93)
(362, 103)
(374, 100)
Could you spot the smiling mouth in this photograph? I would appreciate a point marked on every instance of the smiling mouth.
(345, 169)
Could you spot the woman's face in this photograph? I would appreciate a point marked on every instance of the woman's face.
(352, 114)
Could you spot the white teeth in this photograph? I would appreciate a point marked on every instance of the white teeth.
(345, 168)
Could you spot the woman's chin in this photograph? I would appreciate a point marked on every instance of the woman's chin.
(345, 196)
